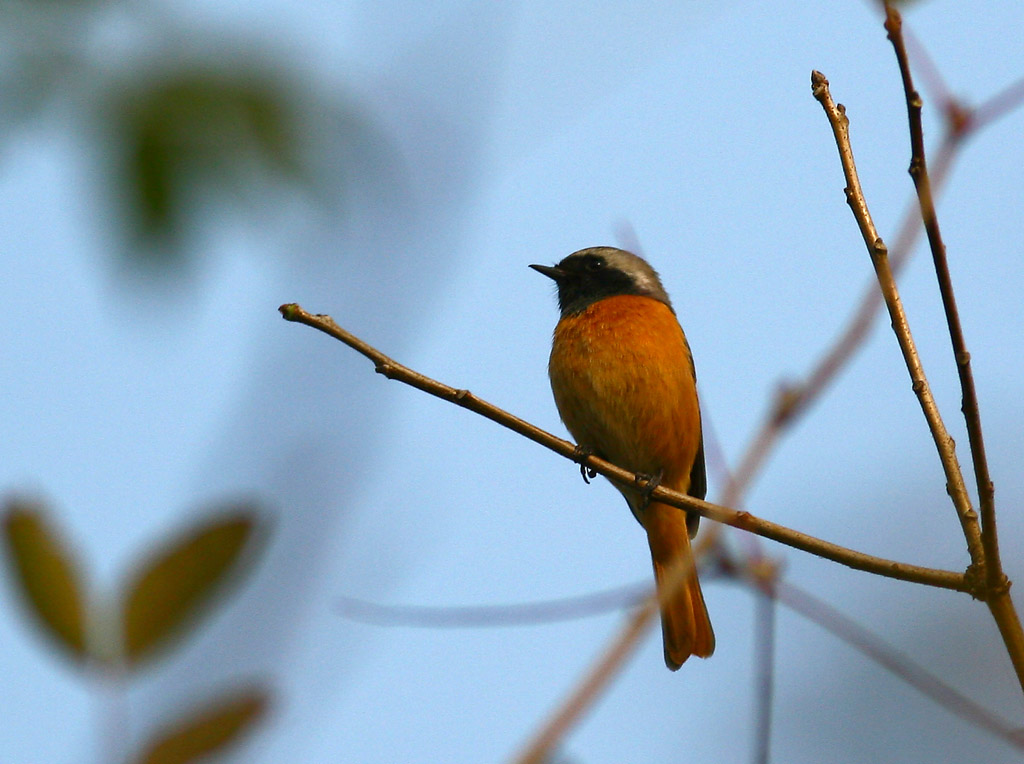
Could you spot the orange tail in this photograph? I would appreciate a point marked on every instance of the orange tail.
(685, 625)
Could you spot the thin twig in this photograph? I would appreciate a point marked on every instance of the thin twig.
(880, 259)
(743, 520)
(994, 576)
(997, 598)
(793, 400)
(996, 582)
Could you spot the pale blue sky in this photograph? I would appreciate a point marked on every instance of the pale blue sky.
(494, 137)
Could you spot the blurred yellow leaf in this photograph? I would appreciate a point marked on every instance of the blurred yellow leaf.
(212, 729)
(47, 575)
(172, 586)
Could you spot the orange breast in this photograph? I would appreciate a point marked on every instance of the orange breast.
(623, 382)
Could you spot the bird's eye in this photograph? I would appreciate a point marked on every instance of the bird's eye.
(594, 264)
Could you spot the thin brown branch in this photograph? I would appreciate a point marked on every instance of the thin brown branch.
(762, 576)
(836, 115)
(1008, 622)
(794, 399)
(996, 582)
(933, 80)
(997, 597)
(743, 520)
(994, 575)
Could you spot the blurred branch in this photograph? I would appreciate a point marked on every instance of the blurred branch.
(743, 520)
(765, 576)
(997, 106)
(792, 400)
(750, 571)
(539, 749)
(521, 614)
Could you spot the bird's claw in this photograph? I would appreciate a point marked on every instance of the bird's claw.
(580, 457)
(647, 483)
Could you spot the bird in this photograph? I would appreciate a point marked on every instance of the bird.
(625, 387)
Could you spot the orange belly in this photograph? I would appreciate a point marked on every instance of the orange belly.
(624, 385)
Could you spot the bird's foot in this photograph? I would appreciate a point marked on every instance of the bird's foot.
(580, 457)
(647, 483)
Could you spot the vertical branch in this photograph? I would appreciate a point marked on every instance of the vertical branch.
(997, 586)
(880, 260)
(997, 599)
(792, 401)
(765, 600)
(994, 576)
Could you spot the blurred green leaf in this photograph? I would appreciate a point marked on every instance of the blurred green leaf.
(183, 134)
(211, 730)
(172, 587)
(47, 575)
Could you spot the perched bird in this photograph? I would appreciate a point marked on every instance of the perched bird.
(625, 387)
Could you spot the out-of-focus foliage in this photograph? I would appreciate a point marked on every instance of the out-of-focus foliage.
(184, 136)
(166, 595)
(209, 731)
(172, 586)
(174, 132)
(47, 576)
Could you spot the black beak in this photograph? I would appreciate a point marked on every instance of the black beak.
(551, 271)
